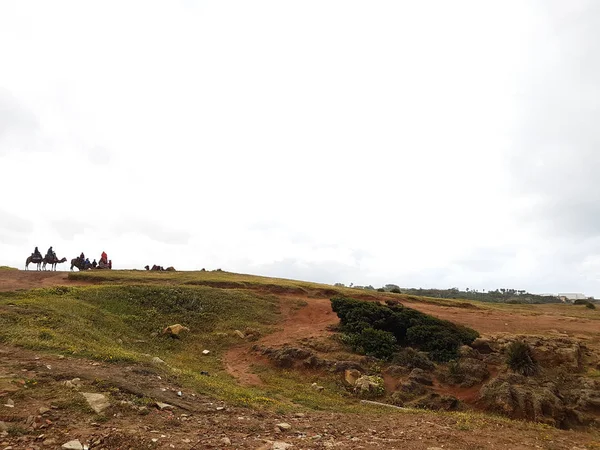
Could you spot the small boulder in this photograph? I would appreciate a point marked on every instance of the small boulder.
(283, 426)
(205, 352)
(98, 402)
(175, 330)
(157, 360)
(73, 445)
(351, 375)
(163, 406)
(483, 345)
(369, 386)
(239, 334)
(225, 441)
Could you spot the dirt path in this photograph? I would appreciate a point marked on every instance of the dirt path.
(11, 280)
(311, 320)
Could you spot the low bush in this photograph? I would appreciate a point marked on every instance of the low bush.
(590, 305)
(409, 327)
(377, 343)
(520, 359)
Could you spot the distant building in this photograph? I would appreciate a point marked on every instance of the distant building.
(570, 298)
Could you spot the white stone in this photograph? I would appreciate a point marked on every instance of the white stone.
(162, 406)
(205, 352)
(283, 426)
(98, 402)
(73, 445)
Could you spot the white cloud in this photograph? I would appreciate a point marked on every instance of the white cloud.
(387, 142)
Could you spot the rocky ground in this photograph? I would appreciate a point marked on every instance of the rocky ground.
(50, 401)
(44, 407)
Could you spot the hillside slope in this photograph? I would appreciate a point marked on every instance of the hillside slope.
(105, 328)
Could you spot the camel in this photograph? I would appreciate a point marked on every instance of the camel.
(53, 262)
(81, 265)
(37, 261)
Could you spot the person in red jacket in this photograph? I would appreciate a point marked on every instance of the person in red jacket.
(104, 258)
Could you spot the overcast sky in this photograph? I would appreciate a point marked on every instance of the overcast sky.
(422, 143)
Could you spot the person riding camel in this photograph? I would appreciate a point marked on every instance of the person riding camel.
(51, 254)
(94, 263)
(36, 254)
(104, 258)
(82, 257)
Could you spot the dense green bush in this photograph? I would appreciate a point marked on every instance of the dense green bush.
(520, 359)
(396, 291)
(378, 343)
(409, 327)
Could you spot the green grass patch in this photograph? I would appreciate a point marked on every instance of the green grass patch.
(123, 323)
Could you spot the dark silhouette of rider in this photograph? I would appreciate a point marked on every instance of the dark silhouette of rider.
(36, 253)
(51, 253)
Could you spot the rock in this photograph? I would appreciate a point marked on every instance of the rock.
(437, 402)
(369, 386)
(9, 403)
(483, 345)
(286, 356)
(351, 375)
(49, 442)
(515, 396)
(73, 445)
(75, 383)
(468, 352)
(205, 352)
(163, 406)
(175, 330)
(283, 426)
(43, 410)
(316, 387)
(157, 360)
(98, 402)
(3, 426)
(225, 441)
(279, 445)
(239, 334)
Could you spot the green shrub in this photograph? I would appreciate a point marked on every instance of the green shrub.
(396, 291)
(380, 290)
(410, 327)
(590, 305)
(377, 343)
(520, 359)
